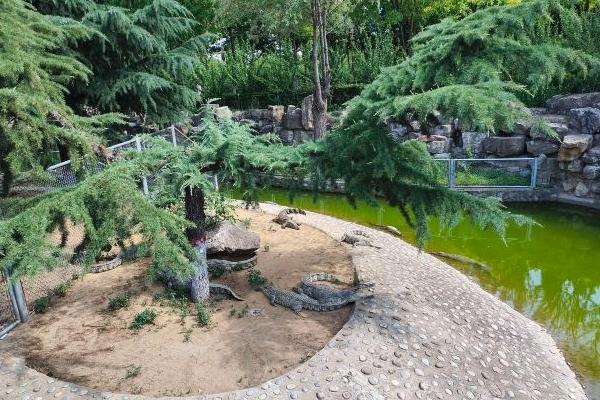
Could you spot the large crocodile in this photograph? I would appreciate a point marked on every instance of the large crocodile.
(299, 301)
(326, 294)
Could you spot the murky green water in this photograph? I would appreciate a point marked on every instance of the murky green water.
(550, 273)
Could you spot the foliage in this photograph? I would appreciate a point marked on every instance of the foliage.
(249, 77)
(142, 60)
(133, 371)
(202, 314)
(256, 279)
(34, 76)
(145, 317)
(119, 301)
(41, 305)
(61, 289)
(373, 166)
(479, 69)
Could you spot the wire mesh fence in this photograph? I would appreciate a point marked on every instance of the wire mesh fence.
(38, 289)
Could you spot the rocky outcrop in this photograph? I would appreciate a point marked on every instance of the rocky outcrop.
(539, 146)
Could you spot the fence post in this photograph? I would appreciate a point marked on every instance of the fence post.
(138, 146)
(534, 173)
(173, 135)
(451, 173)
(17, 296)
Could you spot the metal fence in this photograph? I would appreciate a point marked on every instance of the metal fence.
(490, 173)
(20, 297)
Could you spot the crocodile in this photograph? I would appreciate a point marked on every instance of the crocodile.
(325, 293)
(285, 219)
(299, 301)
(358, 238)
(217, 288)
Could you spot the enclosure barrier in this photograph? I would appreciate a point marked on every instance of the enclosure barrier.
(18, 297)
(489, 173)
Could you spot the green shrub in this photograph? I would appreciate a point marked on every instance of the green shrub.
(256, 279)
(143, 318)
(41, 305)
(217, 271)
(133, 371)
(62, 289)
(202, 314)
(118, 302)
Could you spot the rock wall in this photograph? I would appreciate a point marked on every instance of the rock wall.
(568, 165)
(294, 125)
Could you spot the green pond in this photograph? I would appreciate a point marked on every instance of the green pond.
(550, 272)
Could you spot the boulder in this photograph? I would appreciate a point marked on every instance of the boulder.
(562, 103)
(504, 146)
(307, 113)
(277, 113)
(286, 136)
(397, 131)
(231, 240)
(223, 113)
(438, 146)
(585, 120)
(302, 136)
(540, 146)
(293, 118)
(592, 156)
(573, 146)
(591, 172)
(522, 128)
(414, 125)
(442, 130)
(473, 142)
(581, 190)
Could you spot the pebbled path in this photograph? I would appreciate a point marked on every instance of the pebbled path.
(428, 333)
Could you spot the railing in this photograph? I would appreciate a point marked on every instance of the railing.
(491, 173)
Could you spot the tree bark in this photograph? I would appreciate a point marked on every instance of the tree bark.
(321, 68)
(194, 212)
(7, 177)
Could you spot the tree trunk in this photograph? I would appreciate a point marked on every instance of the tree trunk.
(194, 212)
(7, 177)
(63, 152)
(321, 68)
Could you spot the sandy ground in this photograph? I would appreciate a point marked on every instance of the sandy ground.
(78, 340)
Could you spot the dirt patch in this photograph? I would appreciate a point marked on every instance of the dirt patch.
(247, 343)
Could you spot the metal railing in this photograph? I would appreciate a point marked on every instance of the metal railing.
(491, 173)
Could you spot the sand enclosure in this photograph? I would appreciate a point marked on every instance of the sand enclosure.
(247, 343)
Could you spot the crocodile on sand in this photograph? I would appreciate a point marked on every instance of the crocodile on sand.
(285, 219)
(358, 238)
(324, 293)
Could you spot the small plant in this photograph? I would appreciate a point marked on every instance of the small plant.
(118, 302)
(217, 271)
(133, 371)
(62, 289)
(40, 306)
(136, 389)
(256, 279)
(143, 318)
(232, 312)
(243, 312)
(267, 247)
(202, 314)
(187, 335)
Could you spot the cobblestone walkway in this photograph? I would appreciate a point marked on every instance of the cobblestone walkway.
(428, 333)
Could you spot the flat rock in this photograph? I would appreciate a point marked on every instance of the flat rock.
(592, 156)
(573, 147)
(562, 103)
(504, 146)
(232, 240)
(540, 146)
(473, 142)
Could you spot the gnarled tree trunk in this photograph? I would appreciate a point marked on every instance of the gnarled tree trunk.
(320, 67)
(194, 212)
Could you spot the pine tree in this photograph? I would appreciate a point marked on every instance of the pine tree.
(142, 60)
(481, 68)
(34, 75)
